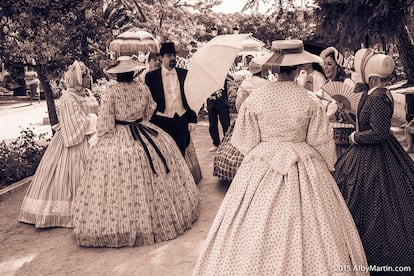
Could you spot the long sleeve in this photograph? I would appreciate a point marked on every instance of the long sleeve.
(246, 134)
(106, 117)
(150, 106)
(379, 120)
(242, 95)
(320, 135)
(74, 122)
(318, 80)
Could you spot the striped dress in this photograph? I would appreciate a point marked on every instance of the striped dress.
(128, 195)
(49, 200)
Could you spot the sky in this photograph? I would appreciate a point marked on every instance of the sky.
(229, 6)
(232, 6)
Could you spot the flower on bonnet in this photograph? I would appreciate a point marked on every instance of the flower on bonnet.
(339, 58)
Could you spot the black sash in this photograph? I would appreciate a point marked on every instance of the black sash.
(136, 128)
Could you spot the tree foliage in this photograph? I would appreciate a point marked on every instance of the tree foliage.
(51, 34)
(351, 23)
(166, 19)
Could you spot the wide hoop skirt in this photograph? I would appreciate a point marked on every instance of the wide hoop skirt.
(49, 199)
(122, 202)
(377, 183)
(282, 224)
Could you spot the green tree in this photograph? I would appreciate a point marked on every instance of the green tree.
(51, 34)
(166, 19)
(350, 23)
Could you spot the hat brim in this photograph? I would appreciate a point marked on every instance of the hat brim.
(275, 59)
(124, 67)
(168, 52)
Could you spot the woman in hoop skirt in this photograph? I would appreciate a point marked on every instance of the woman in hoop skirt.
(376, 175)
(137, 189)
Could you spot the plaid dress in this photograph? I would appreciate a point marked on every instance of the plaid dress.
(227, 159)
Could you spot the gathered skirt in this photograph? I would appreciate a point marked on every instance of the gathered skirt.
(49, 199)
(192, 162)
(273, 224)
(122, 202)
(377, 183)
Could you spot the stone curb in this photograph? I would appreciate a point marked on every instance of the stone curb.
(17, 186)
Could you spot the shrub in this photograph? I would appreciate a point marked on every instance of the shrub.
(99, 88)
(20, 157)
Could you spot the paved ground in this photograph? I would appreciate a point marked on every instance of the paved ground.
(29, 251)
(20, 115)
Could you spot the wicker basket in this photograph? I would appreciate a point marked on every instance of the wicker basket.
(341, 133)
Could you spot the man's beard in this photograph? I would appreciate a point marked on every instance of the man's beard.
(173, 63)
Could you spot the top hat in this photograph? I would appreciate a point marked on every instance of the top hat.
(167, 48)
(339, 58)
(368, 63)
(125, 64)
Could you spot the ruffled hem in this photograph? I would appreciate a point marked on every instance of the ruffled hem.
(45, 221)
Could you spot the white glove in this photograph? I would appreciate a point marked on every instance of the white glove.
(302, 78)
(352, 138)
(331, 109)
(93, 140)
(92, 117)
(191, 127)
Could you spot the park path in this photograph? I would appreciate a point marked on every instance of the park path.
(29, 251)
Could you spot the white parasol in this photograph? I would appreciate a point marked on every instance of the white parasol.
(209, 67)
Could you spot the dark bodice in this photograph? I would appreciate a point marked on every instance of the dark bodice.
(374, 116)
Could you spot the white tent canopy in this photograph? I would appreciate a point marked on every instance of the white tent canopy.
(252, 44)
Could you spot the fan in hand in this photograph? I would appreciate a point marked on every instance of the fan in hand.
(343, 94)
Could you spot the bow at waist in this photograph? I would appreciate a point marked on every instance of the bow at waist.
(282, 155)
(137, 128)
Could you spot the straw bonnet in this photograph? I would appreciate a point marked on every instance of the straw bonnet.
(288, 52)
(125, 64)
(339, 58)
(368, 63)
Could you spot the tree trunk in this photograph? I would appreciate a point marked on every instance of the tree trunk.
(50, 100)
(405, 49)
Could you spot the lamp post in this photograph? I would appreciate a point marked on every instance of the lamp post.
(214, 31)
(115, 31)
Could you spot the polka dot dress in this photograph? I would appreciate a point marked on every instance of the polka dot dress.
(376, 178)
(283, 213)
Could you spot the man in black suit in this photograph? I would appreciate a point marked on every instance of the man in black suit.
(167, 88)
(218, 107)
